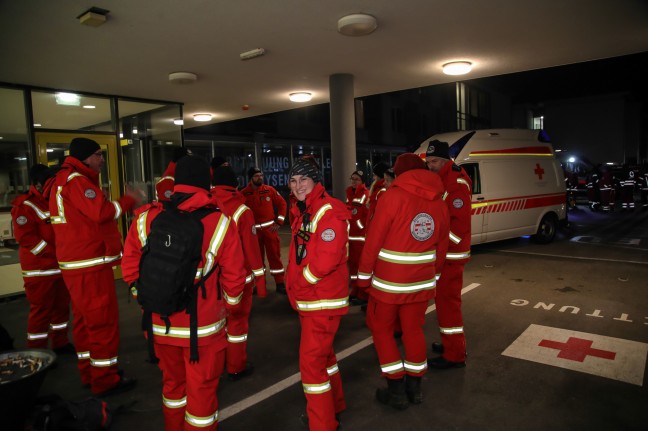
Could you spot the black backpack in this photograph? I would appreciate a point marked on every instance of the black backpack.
(53, 413)
(168, 267)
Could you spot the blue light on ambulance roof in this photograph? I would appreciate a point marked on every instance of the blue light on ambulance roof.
(455, 149)
(543, 136)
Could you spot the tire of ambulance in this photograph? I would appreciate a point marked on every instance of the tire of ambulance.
(546, 230)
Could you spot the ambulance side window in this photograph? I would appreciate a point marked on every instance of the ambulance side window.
(472, 169)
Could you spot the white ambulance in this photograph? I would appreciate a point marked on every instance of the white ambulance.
(518, 184)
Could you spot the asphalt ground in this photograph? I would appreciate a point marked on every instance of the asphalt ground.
(591, 284)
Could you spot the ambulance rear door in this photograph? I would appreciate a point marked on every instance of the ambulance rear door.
(478, 215)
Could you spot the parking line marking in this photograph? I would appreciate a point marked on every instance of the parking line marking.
(248, 402)
(573, 257)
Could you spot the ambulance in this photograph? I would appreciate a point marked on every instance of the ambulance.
(518, 184)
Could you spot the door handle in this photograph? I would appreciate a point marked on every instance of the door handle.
(481, 198)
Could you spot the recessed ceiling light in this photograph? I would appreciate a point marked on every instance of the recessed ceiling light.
(178, 122)
(37, 125)
(202, 117)
(300, 97)
(457, 67)
(89, 106)
(357, 24)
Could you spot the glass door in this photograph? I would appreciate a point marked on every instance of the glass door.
(52, 148)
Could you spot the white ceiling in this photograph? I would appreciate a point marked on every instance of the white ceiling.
(43, 44)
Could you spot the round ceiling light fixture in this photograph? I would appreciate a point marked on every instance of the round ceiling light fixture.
(357, 24)
(300, 97)
(202, 117)
(182, 77)
(457, 67)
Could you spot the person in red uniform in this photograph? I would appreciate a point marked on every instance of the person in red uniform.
(458, 192)
(88, 245)
(317, 283)
(189, 388)
(356, 200)
(49, 300)
(232, 203)
(263, 200)
(390, 176)
(405, 249)
(164, 186)
(376, 189)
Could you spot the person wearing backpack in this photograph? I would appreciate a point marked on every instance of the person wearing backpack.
(88, 245)
(317, 287)
(232, 203)
(190, 376)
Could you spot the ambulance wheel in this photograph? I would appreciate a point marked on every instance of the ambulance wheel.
(547, 229)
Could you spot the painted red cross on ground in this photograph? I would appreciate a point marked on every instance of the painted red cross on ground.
(577, 349)
(539, 171)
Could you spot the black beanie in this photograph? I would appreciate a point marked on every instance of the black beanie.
(193, 171)
(39, 174)
(380, 168)
(218, 161)
(253, 171)
(360, 174)
(82, 148)
(179, 153)
(225, 176)
(307, 166)
(437, 148)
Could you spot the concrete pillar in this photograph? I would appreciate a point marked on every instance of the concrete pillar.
(343, 143)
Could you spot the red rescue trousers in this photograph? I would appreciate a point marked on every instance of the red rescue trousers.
(237, 332)
(95, 327)
(49, 312)
(355, 251)
(271, 246)
(320, 376)
(448, 303)
(189, 389)
(381, 320)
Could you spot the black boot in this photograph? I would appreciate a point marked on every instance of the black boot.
(413, 389)
(394, 394)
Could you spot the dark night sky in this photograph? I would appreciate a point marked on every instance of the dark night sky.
(620, 74)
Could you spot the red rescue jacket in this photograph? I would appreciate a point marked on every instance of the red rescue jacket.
(377, 189)
(357, 203)
(458, 197)
(84, 221)
(262, 201)
(33, 231)
(407, 240)
(221, 247)
(232, 203)
(164, 186)
(319, 282)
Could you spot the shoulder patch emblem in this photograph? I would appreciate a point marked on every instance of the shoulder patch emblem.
(328, 235)
(354, 211)
(90, 194)
(21, 220)
(422, 227)
(268, 198)
(168, 193)
(457, 203)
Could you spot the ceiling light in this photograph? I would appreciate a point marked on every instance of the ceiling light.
(457, 67)
(93, 17)
(182, 77)
(202, 117)
(37, 125)
(178, 122)
(89, 106)
(67, 99)
(358, 24)
(300, 97)
(257, 52)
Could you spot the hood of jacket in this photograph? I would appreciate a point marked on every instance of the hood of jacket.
(227, 196)
(190, 198)
(420, 182)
